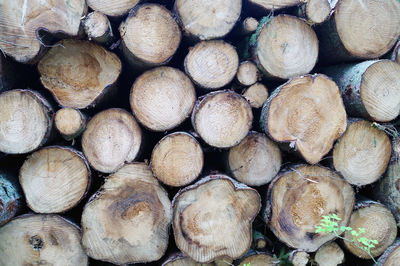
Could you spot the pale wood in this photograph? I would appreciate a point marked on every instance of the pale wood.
(256, 94)
(329, 255)
(260, 241)
(115, 8)
(249, 25)
(316, 11)
(299, 258)
(70, 122)
(258, 259)
(275, 4)
(247, 73)
(391, 256)
(98, 28)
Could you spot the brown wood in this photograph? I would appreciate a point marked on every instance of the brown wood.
(70, 122)
(329, 254)
(258, 259)
(256, 95)
(98, 28)
(180, 259)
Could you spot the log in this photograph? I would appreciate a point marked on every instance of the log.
(307, 113)
(70, 122)
(208, 19)
(258, 259)
(379, 225)
(248, 26)
(391, 255)
(128, 219)
(115, 8)
(369, 89)
(362, 154)
(299, 258)
(26, 120)
(150, 36)
(177, 159)
(260, 241)
(54, 179)
(11, 198)
(111, 139)
(286, 47)
(296, 200)
(205, 229)
(316, 11)
(22, 21)
(212, 64)
(256, 95)
(38, 239)
(255, 160)
(180, 259)
(396, 53)
(359, 29)
(98, 28)
(275, 4)
(247, 73)
(162, 98)
(329, 255)
(78, 73)
(222, 118)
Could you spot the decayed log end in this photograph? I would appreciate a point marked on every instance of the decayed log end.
(21, 19)
(41, 240)
(128, 219)
(255, 160)
(208, 19)
(222, 118)
(213, 218)
(54, 179)
(260, 259)
(286, 47)
(150, 34)
(94, 70)
(177, 159)
(256, 95)
(354, 19)
(111, 138)
(306, 112)
(10, 197)
(247, 73)
(391, 256)
(162, 98)
(113, 8)
(362, 154)
(98, 28)
(275, 4)
(212, 64)
(69, 122)
(298, 198)
(329, 255)
(25, 121)
(317, 11)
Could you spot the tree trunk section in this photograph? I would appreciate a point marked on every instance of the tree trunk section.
(329, 255)
(316, 11)
(391, 256)
(247, 73)
(10, 196)
(299, 258)
(98, 28)
(115, 8)
(179, 259)
(260, 241)
(258, 259)
(256, 95)
(275, 4)
(248, 26)
(70, 122)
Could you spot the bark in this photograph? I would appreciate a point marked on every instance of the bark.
(213, 218)
(222, 118)
(296, 200)
(329, 255)
(37, 239)
(391, 255)
(162, 98)
(258, 259)
(115, 8)
(98, 28)
(128, 219)
(307, 113)
(79, 74)
(25, 121)
(247, 73)
(396, 53)
(256, 95)
(70, 123)
(10, 196)
(111, 139)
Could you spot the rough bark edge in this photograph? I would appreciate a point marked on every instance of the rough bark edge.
(396, 52)
(15, 204)
(302, 12)
(382, 259)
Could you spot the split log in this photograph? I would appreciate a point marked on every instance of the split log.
(275, 4)
(162, 98)
(329, 255)
(26, 120)
(70, 122)
(248, 26)
(115, 8)
(212, 64)
(177, 159)
(128, 219)
(10, 196)
(297, 199)
(222, 118)
(208, 19)
(299, 258)
(258, 259)
(362, 154)
(150, 36)
(98, 28)
(286, 47)
(179, 259)
(391, 256)
(79, 73)
(36, 239)
(396, 53)
(308, 113)
(256, 95)
(21, 21)
(54, 179)
(247, 73)
(255, 160)
(213, 218)
(370, 89)
(316, 11)
(359, 29)
(379, 225)
(111, 139)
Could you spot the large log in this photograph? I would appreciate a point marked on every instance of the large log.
(70, 122)
(307, 113)
(391, 256)
(128, 219)
(98, 28)
(329, 254)
(10, 196)
(115, 8)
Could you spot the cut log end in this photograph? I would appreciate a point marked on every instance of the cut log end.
(249, 25)
(115, 8)
(299, 258)
(98, 28)
(329, 255)
(275, 4)
(260, 259)
(247, 73)
(317, 11)
(256, 95)
(69, 122)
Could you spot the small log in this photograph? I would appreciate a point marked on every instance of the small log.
(10, 196)
(150, 36)
(275, 4)
(307, 113)
(37, 239)
(260, 242)
(369, 89)
(297, 199)
(247, 73)
(79, 73)
(329, 255)
(379, 225)
(111, 139)
(208, 19)
(177, 159)
(299, 258)
(212, 64)
(205, 229)
(391, 256)
(222, 118)
(286, 47)
(256, 95)
(70, 122)
(128, 219)
(162, 98)
(23, 19)
(54, 179)
(316, 11)
(255, 160)
(362, 154)
(248, 26)
(258, 259)
(98, 28)
(115, 8)
(26, 120)
(396, 53)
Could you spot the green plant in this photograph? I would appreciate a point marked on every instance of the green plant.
(329, 224)
(282, 259)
